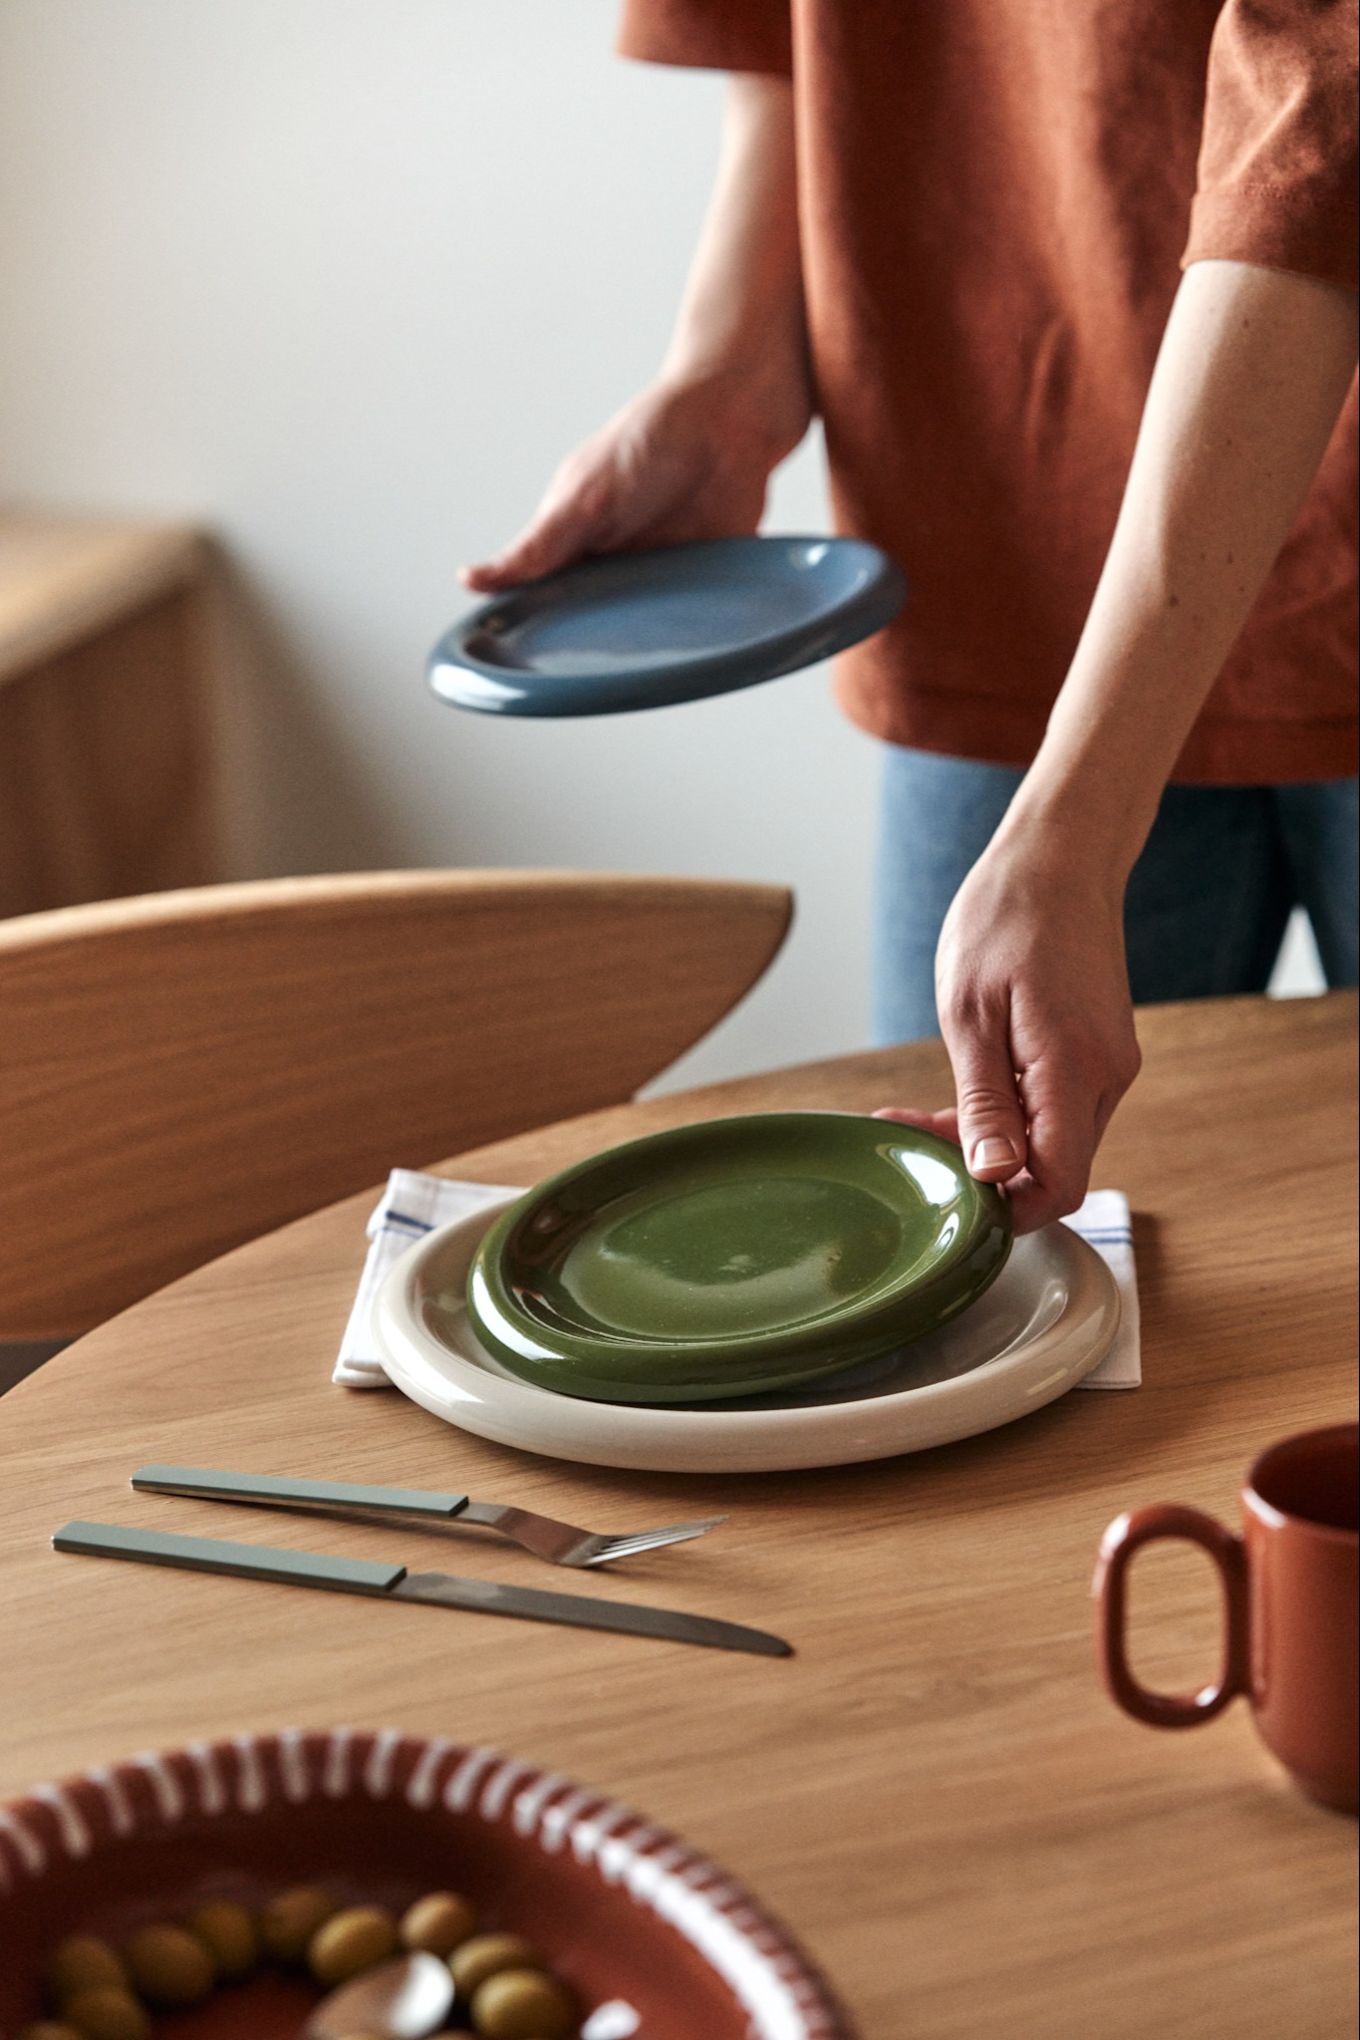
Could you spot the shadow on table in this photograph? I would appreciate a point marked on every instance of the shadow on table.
(18, 1360)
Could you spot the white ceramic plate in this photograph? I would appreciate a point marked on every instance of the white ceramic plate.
(1048, 1319)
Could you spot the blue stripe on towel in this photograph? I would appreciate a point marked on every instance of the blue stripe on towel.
(420, 1225)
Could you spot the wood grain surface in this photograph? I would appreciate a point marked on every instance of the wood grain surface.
(107, 770)
(186, 1070)
(934, 1792)
(107, 783)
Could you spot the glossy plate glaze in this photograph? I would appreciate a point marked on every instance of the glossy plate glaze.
(735, 1256)
(676, 623)
(655, 1940)
(1048, 1319)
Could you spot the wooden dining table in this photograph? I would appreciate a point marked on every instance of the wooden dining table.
(934, 1792)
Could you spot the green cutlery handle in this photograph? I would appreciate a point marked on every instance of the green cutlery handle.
(213, 1484)
(213, 1555)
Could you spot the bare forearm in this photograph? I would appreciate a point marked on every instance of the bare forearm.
(1250, 379)
(741, 318)
(690, 456)
(1031, 973)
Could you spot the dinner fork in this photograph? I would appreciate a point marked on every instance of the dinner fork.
(543, 1536)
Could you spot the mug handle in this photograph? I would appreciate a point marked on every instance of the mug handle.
(1110, 1588)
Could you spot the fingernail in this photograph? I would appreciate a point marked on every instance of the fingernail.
(987, 1154)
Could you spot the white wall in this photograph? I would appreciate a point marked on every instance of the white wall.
(343, 279)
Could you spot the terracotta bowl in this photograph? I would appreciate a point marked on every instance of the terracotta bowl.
(655, 1940)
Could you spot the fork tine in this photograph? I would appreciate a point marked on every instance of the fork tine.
(629, 1547)
(668, 1533)
(544, 1537)
(625, 1546)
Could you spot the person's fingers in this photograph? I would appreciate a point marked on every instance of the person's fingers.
(1059, 1175)
(1070, 1096)
(945, 1123)
(1105, 1111)
(1063, 1121)
(991, 1116)
(554, 539)
(571, 520)
(1034, 1205)
(485, 577)
(1018, 1193)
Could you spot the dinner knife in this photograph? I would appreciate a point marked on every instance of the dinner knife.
(395, 1583)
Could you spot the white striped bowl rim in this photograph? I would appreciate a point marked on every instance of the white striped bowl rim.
(777, 1993)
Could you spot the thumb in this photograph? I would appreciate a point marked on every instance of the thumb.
(574, 518)
(557, 536)
(991, 1119)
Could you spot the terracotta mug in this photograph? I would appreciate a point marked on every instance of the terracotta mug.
(1290, 1597)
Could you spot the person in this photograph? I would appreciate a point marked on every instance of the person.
(1072, 288)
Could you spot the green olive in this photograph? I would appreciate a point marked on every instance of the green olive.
(228, 1933)
(289, 1921)
(83, 1963)
(169, 1966)
(106, 2013)
(523, 2004)
(438, 1923)
(355, 1940)
(483, 1956)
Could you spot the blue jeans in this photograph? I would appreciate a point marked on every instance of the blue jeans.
(1207, 904)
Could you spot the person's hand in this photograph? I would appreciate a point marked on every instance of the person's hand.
(1034, 1003)
(683, 461)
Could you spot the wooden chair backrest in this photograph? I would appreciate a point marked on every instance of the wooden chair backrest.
(184, 1071)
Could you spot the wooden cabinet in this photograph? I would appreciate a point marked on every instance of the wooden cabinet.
(105, 753)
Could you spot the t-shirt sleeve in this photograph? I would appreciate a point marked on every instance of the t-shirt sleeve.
(1277, 162)
(719, 35)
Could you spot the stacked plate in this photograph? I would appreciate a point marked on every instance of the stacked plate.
(744, 1296)
(735, 1258)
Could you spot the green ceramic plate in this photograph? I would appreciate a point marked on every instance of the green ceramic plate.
(735, 1256)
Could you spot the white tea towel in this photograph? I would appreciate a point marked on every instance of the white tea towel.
(1105, 1223)
(413, 1205)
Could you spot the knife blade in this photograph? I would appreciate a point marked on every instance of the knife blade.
(395, 1583)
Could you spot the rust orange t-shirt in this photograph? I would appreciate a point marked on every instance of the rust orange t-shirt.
(996, 200)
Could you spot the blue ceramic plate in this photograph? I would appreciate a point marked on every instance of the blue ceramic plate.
(648, 629)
